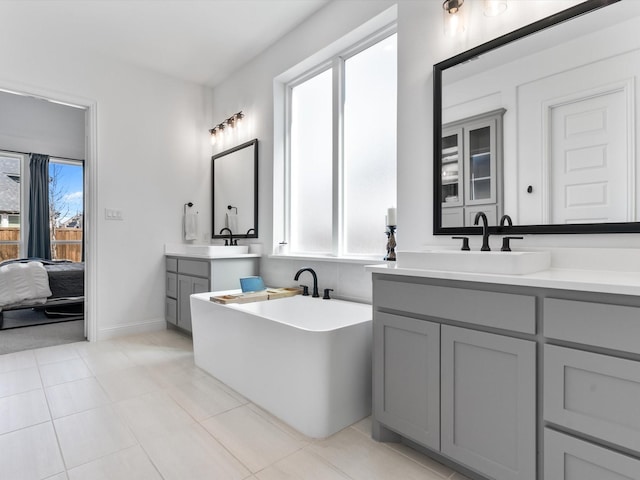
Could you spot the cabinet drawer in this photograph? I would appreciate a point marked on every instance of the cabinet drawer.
(593, 394)
(193, 267)
(171, 264)
(598, 324)
(490, 309)
(567, 458)
(172, 285)
(171, 310)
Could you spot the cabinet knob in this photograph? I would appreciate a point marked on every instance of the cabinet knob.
(530, 189)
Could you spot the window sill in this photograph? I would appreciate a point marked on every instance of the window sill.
(326, 258)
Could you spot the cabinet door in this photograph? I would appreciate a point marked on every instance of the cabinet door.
(480, 170)
(406, 377)
(567, 458)
(489, 403)
(451, 175)
(171, 310)
(186, 286)
(172, 285)
(452, 217)
(491, 211)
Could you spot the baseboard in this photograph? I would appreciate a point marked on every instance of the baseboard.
(107, 333)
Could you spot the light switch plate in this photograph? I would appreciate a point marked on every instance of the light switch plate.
(112, 214)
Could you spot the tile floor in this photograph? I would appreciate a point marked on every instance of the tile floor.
(138, 408)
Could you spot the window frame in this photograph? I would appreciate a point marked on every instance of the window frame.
(336, 62)
(24, 201)
(81, 164)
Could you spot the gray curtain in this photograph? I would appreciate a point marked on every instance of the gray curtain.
(39, 244)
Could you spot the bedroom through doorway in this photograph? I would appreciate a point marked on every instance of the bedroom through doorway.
(42, 218)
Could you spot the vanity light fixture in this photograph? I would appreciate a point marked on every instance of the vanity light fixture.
(493, 8)
(453, 17)
(233, 121)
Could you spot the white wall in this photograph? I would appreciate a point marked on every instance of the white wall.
(32, 125)
(421, 43)
(152, 157)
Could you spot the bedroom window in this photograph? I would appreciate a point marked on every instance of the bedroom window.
(341, 144)
(11, 199)
(66, 209)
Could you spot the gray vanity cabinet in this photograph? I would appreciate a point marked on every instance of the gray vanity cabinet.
(186, 276)
(468, 394)
(408, 385)
(488, 402)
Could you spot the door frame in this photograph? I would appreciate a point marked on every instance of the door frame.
(90, 234)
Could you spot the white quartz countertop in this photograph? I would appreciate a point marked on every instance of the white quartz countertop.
(601, 281)
(212, 256)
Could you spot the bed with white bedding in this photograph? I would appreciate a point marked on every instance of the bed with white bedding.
(44, 284)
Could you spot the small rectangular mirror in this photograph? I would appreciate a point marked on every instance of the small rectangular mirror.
(235, 191)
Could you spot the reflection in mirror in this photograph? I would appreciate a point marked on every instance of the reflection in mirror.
(235, 191)
(540, 125)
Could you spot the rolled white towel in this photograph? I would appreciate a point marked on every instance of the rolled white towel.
(191, 226)
(232, 222)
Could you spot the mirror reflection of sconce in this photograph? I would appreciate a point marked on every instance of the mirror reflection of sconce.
(231, 122)
(493, 8)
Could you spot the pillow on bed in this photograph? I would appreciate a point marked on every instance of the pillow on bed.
(21, 282)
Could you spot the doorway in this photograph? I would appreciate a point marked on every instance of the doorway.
(73, 156)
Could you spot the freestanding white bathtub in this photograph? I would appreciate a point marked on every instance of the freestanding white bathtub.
(305, 360)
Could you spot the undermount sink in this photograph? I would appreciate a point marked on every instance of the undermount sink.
(209, 250)
(506, 263)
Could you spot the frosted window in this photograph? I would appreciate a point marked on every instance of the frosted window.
(369, 145)
(311, 165)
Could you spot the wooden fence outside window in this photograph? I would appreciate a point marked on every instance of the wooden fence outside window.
(70, 247)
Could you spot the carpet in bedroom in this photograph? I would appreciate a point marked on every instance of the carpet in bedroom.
(38, 336)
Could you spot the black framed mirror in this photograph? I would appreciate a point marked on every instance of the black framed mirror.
(521, 125)
(235, 191)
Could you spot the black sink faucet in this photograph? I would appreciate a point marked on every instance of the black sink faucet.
(485, 231)
(315, 279)
(506, 219)
(228, 241)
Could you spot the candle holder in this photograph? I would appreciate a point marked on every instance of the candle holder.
(391, 243)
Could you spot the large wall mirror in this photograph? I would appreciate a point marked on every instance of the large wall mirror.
(235, 191)
(541, 124)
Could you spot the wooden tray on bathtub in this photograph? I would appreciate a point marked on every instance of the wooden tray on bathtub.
(268, 294)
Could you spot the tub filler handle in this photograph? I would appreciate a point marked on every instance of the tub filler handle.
(326, 293)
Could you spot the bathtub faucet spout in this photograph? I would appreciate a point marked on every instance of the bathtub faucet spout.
(315, 279)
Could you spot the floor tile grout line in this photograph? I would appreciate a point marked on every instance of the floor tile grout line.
(335, 467)
(156, 467)
(224, 447)
(386, 444)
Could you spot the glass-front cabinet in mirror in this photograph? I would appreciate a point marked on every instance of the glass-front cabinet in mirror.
(235, 192)
(471, 179)
(540, 124)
